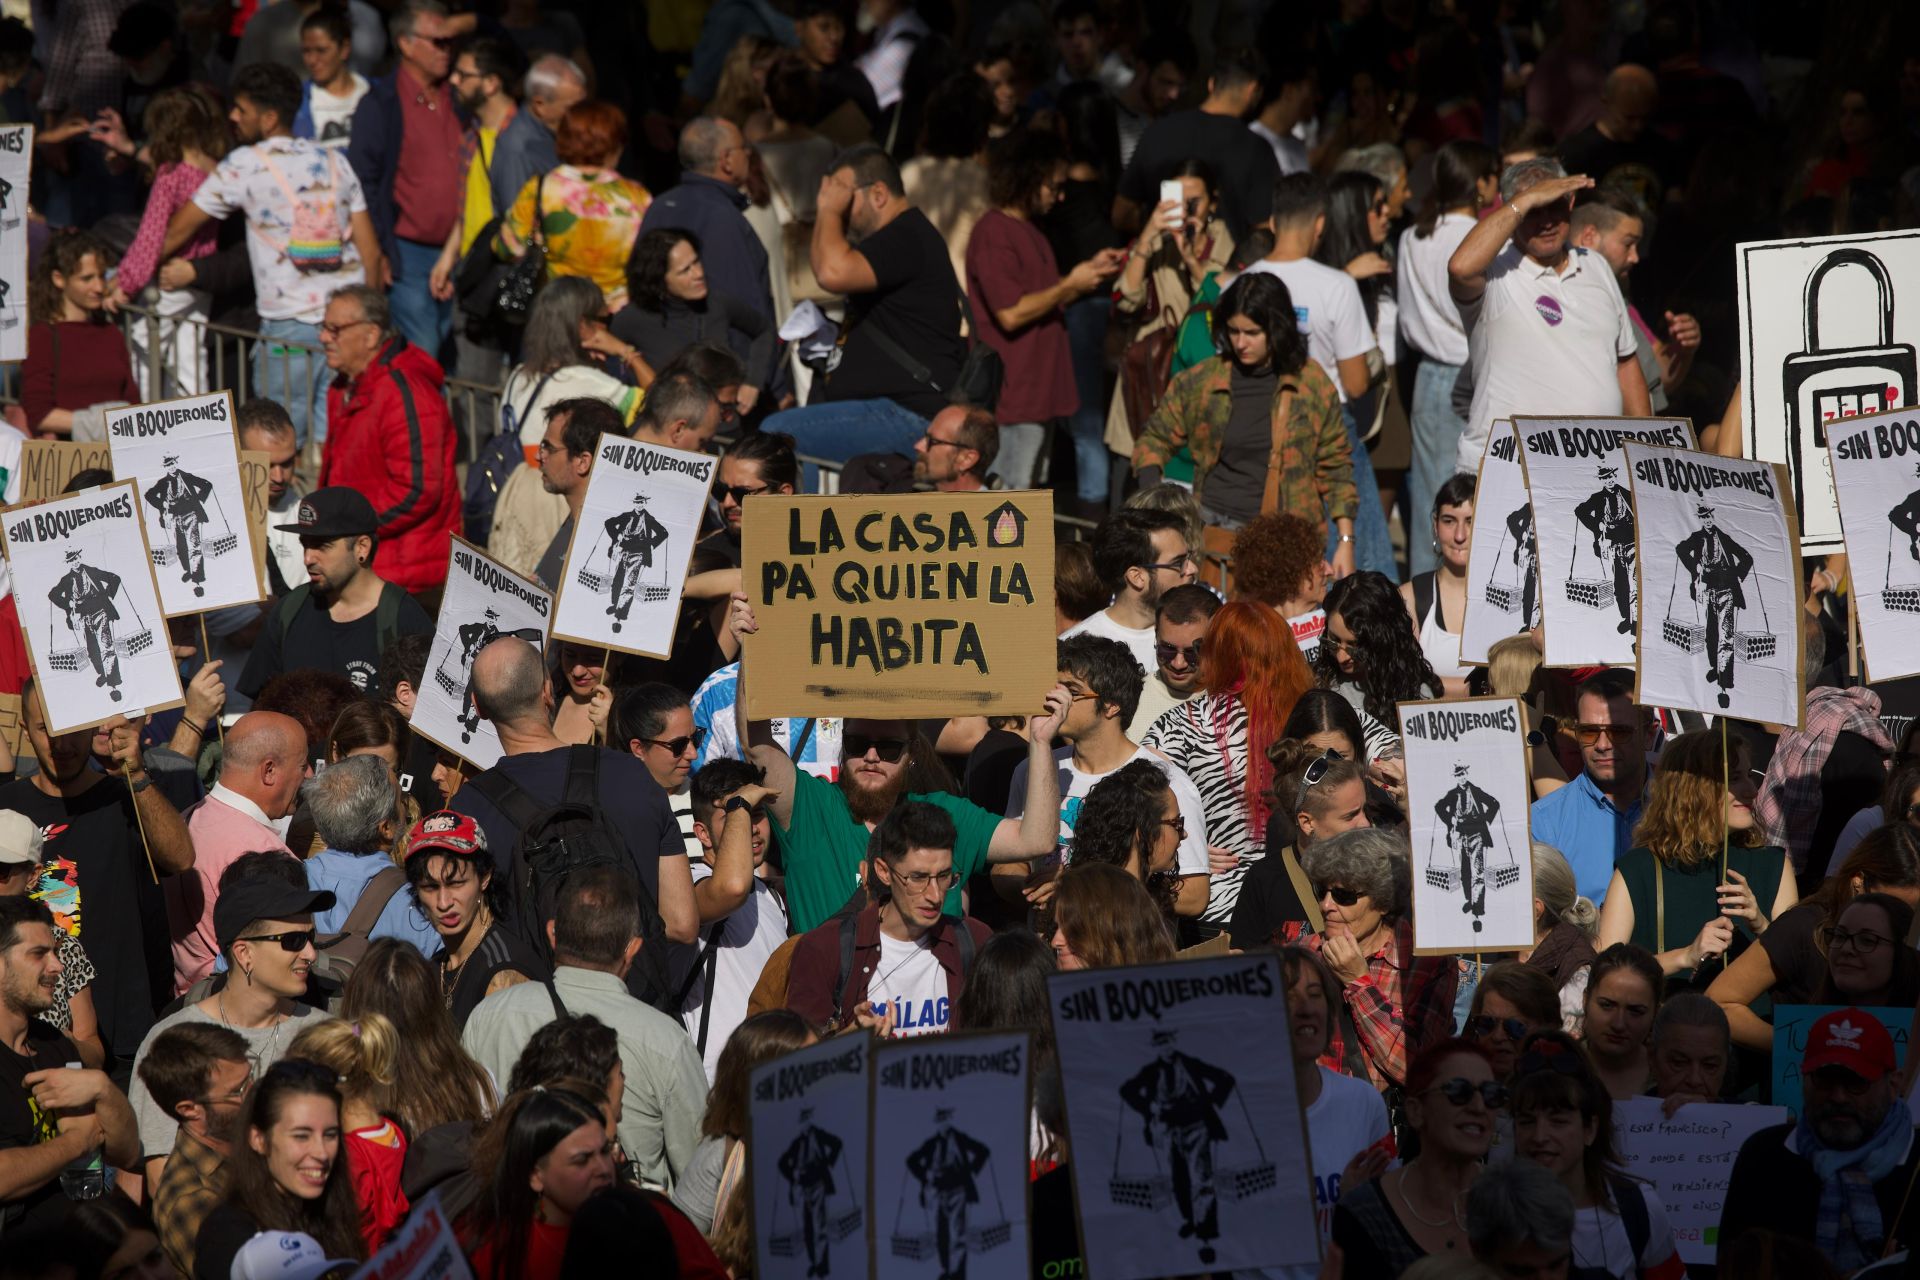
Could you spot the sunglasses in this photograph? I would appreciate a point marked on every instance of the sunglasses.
(1189, 654)
(1314, 772)
(1590, 734)
(293, 941)
(737, 492)
(855, 746)
(1482, 1025)
(678, 746)
(1341, 895)
(1459, 1091)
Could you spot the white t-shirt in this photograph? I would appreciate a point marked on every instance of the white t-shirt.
(1601, 1245)
(1075, 783)
(1429, 317)
(1155, 701)
(1327, 303)
(747, 938)
(681, 803)
(575, 380)
(1288, 151)
(261, 181)
(1140, 640)
(1307, 630)
(909, 978)
(333, 117)
(1346, 1119)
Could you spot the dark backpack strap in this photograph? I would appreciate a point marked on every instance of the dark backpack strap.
(849, 924)
(373, 900)
(508, 796)
(1422, 597)
(1632, 1207)
(290, 606)
(583, 775)
(899, 355)
(964, 939)
(553, 994)
(800, 743)
(386, 616)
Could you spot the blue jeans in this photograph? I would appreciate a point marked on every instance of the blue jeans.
(1436, 433)
(1087, 338)
(1372, 544)
(421, 319)
(841, 429)
(294, 376)
(1019, 456)
(1470, 971)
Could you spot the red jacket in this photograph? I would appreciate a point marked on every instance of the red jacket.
(390, 435)
(816, 967)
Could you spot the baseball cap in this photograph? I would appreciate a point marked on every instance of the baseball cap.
(286, 1255)
(141, 29)
(262, 897)
(1850, 1038)
(20, 839)
(448, 832)
(334, 512)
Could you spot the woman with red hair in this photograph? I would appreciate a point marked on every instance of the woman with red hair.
(587, 213)
(1251, 674)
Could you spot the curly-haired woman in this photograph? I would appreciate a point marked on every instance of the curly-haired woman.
(1371, 656)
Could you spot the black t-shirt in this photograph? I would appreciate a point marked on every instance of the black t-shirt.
(1240, 156)
(1056, 1244)
(1799, 970)
(314, 639)
(917, 304)
(1267, 901)
(104, 893)
(24, 1124)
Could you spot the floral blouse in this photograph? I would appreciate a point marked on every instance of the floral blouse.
(589, 217)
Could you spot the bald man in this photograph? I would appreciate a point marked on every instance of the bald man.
(246, 812)
(1620, 148)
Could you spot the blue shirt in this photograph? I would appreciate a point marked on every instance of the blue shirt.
(1583, 825)
(347, 875)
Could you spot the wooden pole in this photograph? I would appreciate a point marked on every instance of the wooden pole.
(126, 768)
(206, 655)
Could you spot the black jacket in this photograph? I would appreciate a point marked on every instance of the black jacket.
(1774, 1189)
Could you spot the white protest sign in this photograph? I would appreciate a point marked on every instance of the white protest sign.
(484, 601)
(1876, 478)
(96, 635)
(1688, 1161)
(1577, 475)
(1190, 1152)
(627, 561)
(423, 1248)
(16, 170)
(1467, 802)
(949, 1171)
(1731, 642)
(1503, 558)
(186, 456)
(807, 1116)
(1845, 350)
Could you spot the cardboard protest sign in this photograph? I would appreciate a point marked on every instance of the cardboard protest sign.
(13, 725)
(949, 1171)
(1588, 588)
(807, 1116)
(1467, 803)
(186, 457)
(1688, 1161)
(484, 601)
(16, 170)
(1792, 1023)
(1719, 527)
(632, 545)
(1190, 1149)
(1875, 462)
(899, 606)
(254, 480)
(1503, 558)
(96, 635)
(1846, 350)
(422, 1248)
(47, 465)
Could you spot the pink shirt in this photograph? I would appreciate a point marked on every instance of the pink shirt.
(223, 827)
(173, 188)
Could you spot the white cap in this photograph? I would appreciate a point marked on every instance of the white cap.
(20, 840)
(285, 1255)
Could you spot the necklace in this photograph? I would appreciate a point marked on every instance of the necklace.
(273, 1039)
(1451, 1219)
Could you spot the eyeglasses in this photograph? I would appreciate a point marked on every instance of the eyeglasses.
(293, 941)
(678, 746)
(1179, 824)
(1460, 1090)
(1190, 654)
(737, 492)
(1179, 564)
(461, 73)
(1341, 895)
(1482, 1025)
(935, 442)
(1589, 735)
(1864, 942)
(917, 881)
(855, 746)
(1831, 1078)
(329, 330)
(544, 449)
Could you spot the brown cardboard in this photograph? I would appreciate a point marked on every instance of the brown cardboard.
(47, 465)
(253, 478)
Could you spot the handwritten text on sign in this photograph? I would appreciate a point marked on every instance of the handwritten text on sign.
(1688, 1161)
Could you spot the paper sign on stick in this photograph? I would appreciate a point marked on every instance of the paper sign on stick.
(1876, 478)
(1792, 1023)
(484, 601)
(1467, 804)
(47, 465)
(1688, 1161)
(899, 606)
(422, 1248)
(16, 172)
(88, 607)
(1503, 558)
(807, 1115)
(1720, 633)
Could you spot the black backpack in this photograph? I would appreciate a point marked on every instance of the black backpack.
(559, 839)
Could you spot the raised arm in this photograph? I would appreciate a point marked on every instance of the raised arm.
(1036, 832)
(1467, 269)
(837, 265)
(756, 736)
(721, 893)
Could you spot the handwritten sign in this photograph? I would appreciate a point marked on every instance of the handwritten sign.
(254, 464)
(424, 1248)
(1792, 1022)
(13, 725)
(1688, 1161)
(47, 465)
(899, 606)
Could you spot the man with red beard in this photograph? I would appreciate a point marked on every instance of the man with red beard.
(822, 828)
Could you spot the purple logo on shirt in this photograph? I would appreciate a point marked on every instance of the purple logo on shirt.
(1549, 309)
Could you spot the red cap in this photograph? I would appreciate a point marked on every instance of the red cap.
(448, 832)
(1850, 1038)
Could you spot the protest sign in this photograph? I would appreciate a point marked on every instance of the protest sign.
(1190, 1150)
(13, 725)
(1793, 1022)
(47, 465)
(1719, 527)
(949, 1171)
(186, 457)
(255, 480)
(422, 1248)
(1588, 588)
(1503, 557)
(16, 169)
(900, 606)
(1875, 462)
(807, 1118)
(95, 635)
(1688, 1161)
(632, 544)
(1467, 802)
(1846, 350)
(484, 601)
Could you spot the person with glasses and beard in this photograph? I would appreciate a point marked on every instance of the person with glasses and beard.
(1139, 555)
(198, 1073)
(1591, 820)
(822, 828)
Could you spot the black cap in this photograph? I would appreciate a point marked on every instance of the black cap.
(336, 512)
(141, 29)
(262, 897)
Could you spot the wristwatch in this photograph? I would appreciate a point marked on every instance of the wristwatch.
(146, 780)
(736, 803)
(1346, 537)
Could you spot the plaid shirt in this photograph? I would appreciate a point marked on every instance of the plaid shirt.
(193, 1182)
(83, 75)
(1397, 1009)
(1316, 462)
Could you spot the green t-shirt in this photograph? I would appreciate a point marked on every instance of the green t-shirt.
(822, 847)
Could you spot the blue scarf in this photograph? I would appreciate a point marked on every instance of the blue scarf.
(1847, 1179)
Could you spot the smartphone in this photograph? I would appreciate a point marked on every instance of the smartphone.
(1173, 190)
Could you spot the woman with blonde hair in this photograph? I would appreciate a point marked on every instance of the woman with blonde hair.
(1513, 666)
(442, 1084)
(1104, 917)
(1564, 926)
(364, 1056)
(1668, 894)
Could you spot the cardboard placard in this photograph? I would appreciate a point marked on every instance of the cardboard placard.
(1793, 1022)
(1190, 1149)
(47, 465)
(254, 480)
(484, 601)
(1875, 463)
(13, 725)
(422, 1248)
(899, 606)
(1688, 1161)
(1467, 812)
(808, 1116)
(95, 635)
(16, 175)
(949, 1171)
(1721, 528)
(1577, 474)
(1503, 557)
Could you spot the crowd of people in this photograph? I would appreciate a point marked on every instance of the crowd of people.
(1246, 285)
